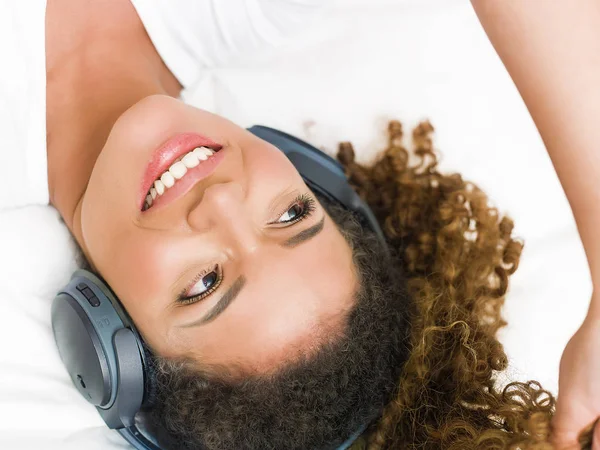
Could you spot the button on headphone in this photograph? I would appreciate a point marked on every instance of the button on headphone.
(88, 294)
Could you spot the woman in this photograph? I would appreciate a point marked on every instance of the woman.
(229, 230)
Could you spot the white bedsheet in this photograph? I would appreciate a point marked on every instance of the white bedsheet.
(365, 63)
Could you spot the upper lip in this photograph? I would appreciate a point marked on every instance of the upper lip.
(165, 155)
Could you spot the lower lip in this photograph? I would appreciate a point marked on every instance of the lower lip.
(189, 180)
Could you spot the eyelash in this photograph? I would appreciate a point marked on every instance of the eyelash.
(308, 204)
(188, 300)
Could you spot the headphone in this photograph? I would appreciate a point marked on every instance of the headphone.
(98, 342)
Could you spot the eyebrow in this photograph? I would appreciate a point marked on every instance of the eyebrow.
(304, 235)
(238, 285)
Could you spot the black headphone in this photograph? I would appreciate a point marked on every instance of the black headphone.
(98, 342)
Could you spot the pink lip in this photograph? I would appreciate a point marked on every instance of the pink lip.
(164, 156)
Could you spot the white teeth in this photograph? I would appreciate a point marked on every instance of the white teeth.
(200, 154)
(178, 170)
(160, 187)
(190, 160)
(167, 179)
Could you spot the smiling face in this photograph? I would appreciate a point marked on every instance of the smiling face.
(242, 267)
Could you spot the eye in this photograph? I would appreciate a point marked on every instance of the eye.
(292, 214)
(203, 285)
(302, 208)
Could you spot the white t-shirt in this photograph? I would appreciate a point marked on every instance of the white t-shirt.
(190, 36)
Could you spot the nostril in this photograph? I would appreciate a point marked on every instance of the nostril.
(81, 382)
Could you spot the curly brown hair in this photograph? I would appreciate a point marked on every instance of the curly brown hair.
(457, 253)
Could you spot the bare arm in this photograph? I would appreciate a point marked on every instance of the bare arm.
(551, 49)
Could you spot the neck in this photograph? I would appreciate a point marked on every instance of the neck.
(96, 68)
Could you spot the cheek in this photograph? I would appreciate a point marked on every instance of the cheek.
(136, 270)
(133, 268)
(106, 210)
(268, 168)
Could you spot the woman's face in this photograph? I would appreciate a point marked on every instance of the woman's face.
(245, 268)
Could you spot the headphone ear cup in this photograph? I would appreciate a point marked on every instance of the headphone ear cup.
(100, 348)
(82, 351)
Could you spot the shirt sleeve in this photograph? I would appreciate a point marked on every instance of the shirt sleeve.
(192, 35)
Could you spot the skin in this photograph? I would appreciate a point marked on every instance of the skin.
(108, 111)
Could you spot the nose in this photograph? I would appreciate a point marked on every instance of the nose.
(224, 211)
